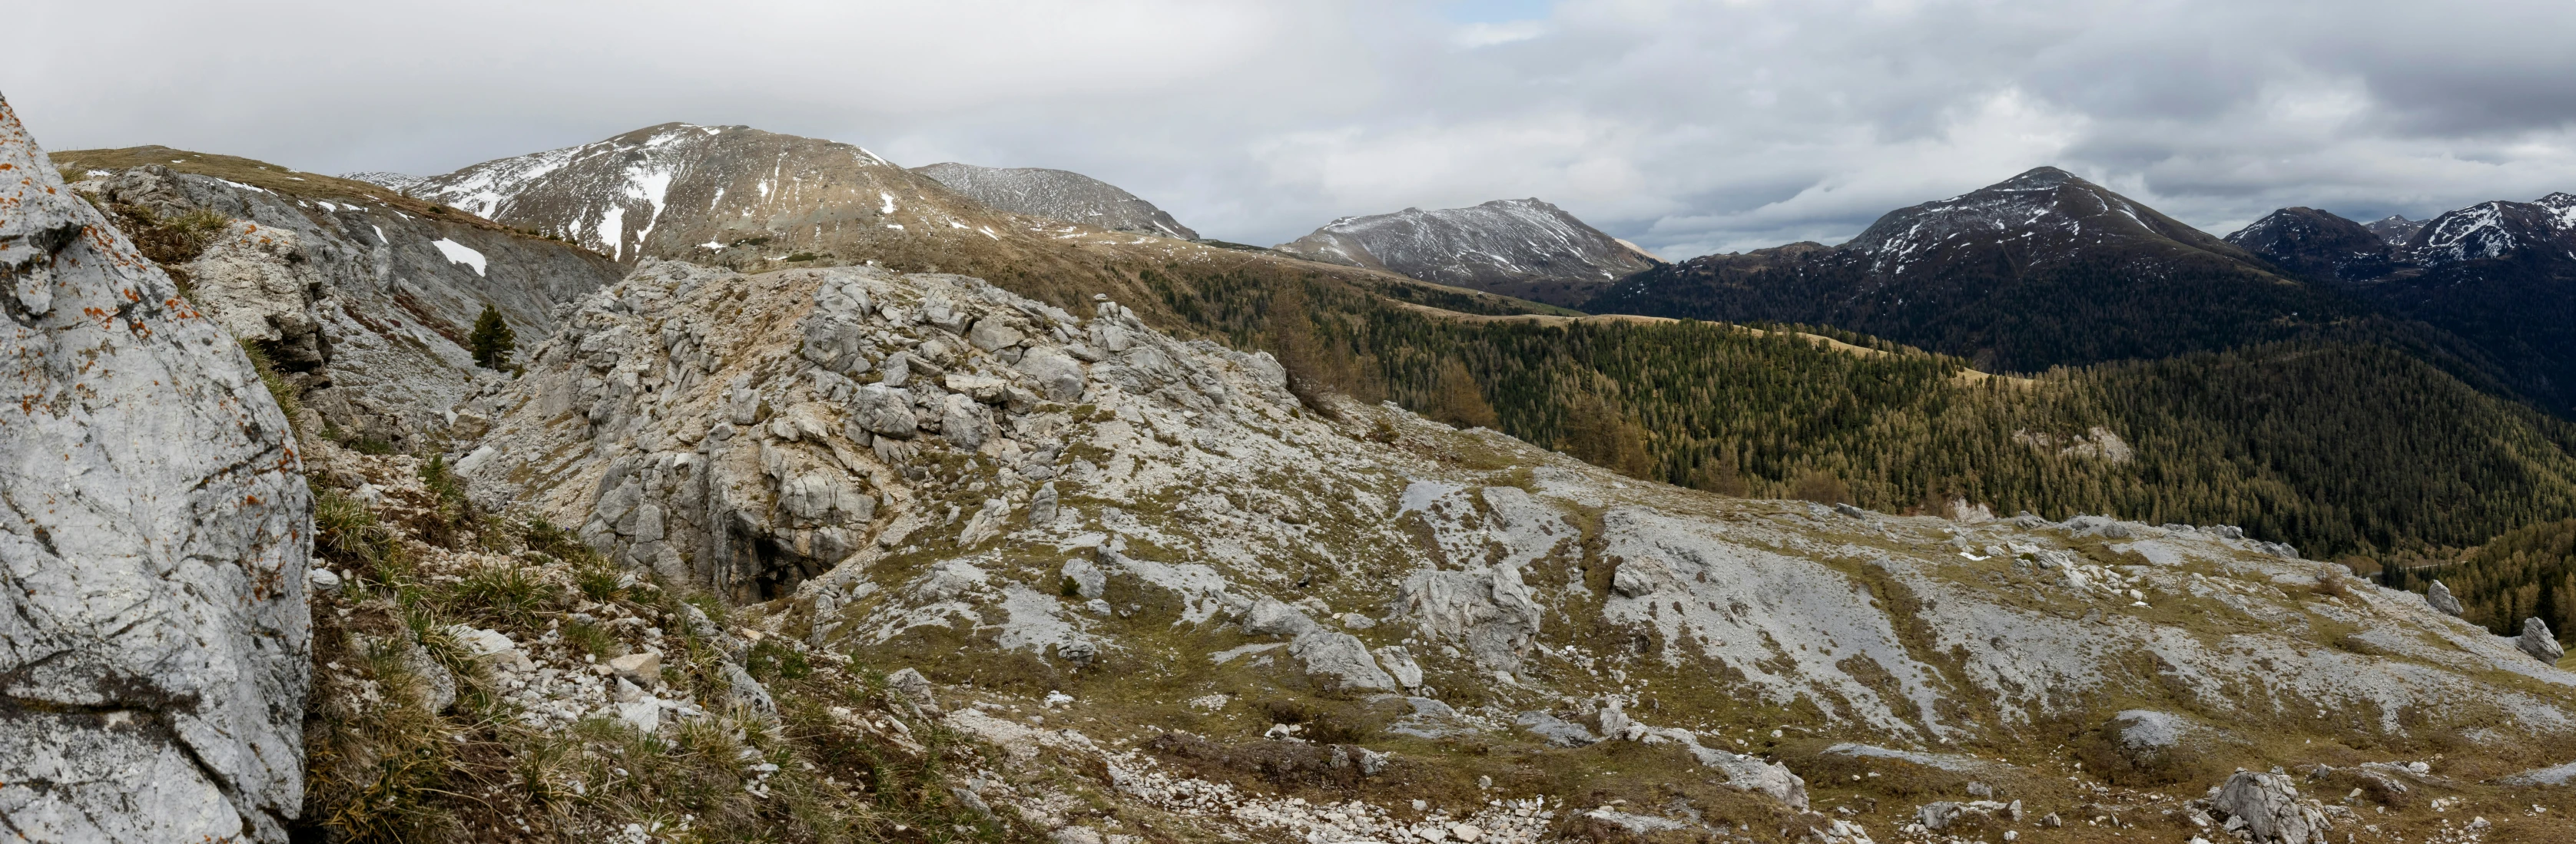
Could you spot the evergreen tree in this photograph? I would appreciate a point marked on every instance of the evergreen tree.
(492, 341)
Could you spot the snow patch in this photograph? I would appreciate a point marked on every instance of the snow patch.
(455, 252)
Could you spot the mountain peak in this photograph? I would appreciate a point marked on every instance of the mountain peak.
(1517, 247)
(1057, 195)
(2044, 215)
(2037, 178)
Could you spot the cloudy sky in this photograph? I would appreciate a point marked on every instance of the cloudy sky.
(1688, 127)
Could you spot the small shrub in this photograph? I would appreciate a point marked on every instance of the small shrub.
(501, 592)
(771, 660)
(589, 638)
(346, 532)
(804, 256)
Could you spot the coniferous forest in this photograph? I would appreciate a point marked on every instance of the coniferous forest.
(2346, 450)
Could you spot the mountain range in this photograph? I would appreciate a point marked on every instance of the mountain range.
(820, 499)
(1524, 248)
(2499, 275)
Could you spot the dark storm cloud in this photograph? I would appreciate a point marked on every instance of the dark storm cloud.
(1687, 127)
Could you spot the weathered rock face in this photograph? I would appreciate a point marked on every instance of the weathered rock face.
(153, 546)
(362, 304)
(1057, 195)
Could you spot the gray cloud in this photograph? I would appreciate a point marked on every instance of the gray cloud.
(1688, 127)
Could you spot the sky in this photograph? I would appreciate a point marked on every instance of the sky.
(1686, 127)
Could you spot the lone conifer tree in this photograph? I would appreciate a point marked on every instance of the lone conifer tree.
(492, 341)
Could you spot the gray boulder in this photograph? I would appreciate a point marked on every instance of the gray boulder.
(1400, 665)
(912, 687)
(2441, 599)
(2537, 641)
(2146, 732)
(2267, 807)
(992, 333)
(153, 547)
(1489, 610)
(1555, 730)
(1272, 617)
(1339, 661)
(886, 411)
(1059, 376)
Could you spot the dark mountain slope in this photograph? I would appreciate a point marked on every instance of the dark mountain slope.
(2316, 244)
(2042, 270)
(2501, 276)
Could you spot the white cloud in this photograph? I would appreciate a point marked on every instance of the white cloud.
(1476, 35)
(1685, 126)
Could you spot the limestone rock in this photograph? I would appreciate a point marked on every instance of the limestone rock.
(2537, 641)
(744, 693)
(644, 669)
(1400, 665)
(1556, 731)
(911, 686)
(1042, 506)
(885, 411)
(2440, 598)
(2269, 806)
(1489, 610)
(1338, 661)
(1272, 617)
(491, 649)
(153, 550)
(992, 333)
(2145, 736)
(1087, 578)
(1059, 376)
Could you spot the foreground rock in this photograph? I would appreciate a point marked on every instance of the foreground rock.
(2537, 641)
(153, 547)
(2267, 807)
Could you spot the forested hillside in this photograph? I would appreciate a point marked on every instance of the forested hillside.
(2337, 448)
(2525, 573)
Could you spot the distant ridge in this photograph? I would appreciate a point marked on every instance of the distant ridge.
(1525, 248)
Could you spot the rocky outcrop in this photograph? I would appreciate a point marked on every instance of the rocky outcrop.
(361, 300)
(1057, 195)
(2537, 641)
(872, 461)
(2267, 807)
(154, 532)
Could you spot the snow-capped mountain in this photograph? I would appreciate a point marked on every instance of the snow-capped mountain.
(2394, 228)
(678, 190)
(2040, 270)
(2043, 217)
(2546, 226)
(1517, 247)
(1058, 195)
(750, 200)
(2495, 274)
